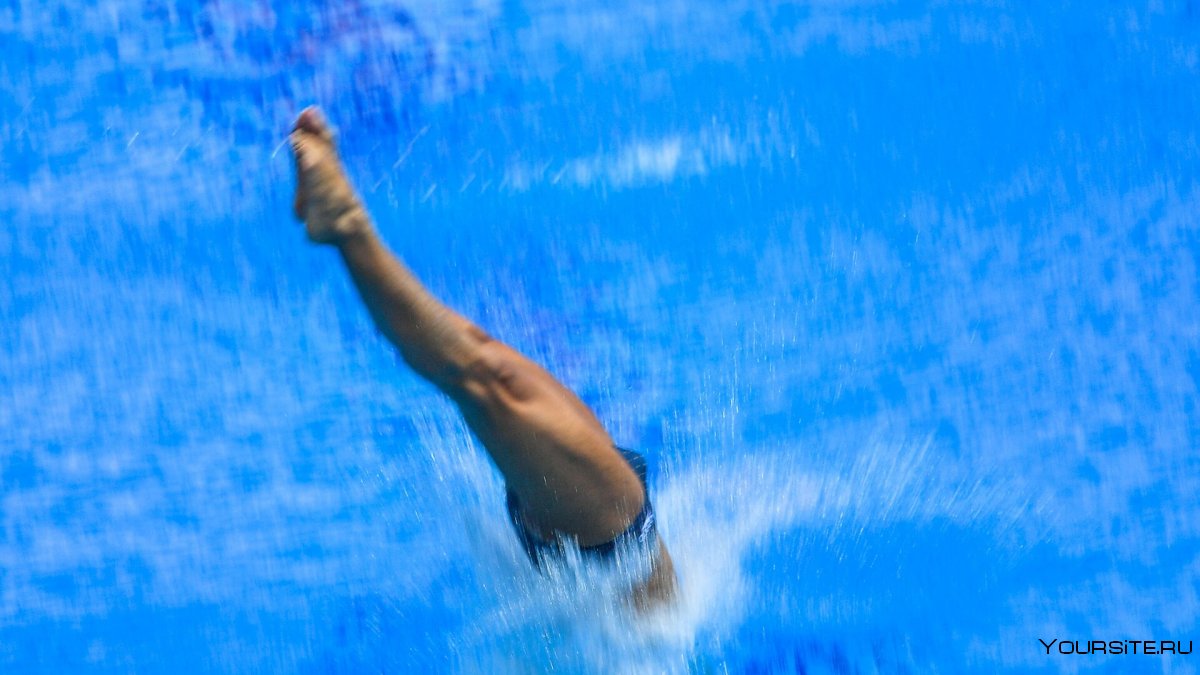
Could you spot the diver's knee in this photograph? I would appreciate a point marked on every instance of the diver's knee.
(466, 370)
(495, 370)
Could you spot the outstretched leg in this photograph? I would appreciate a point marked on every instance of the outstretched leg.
(550, 447)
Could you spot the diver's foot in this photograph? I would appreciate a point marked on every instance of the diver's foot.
(325, 200)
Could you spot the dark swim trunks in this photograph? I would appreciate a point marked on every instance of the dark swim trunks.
(642, 532)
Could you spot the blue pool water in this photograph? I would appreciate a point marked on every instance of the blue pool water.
(899, 298)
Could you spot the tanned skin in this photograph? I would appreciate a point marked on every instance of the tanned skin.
(550, 447)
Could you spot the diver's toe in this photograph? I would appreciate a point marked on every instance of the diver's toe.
(313, 121)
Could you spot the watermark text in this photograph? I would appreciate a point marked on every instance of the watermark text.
(1119, 647)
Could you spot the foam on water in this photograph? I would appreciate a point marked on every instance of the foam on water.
(719, 518)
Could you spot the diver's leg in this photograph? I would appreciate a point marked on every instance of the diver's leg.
(551, 449)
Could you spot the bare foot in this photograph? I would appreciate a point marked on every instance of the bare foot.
(325, 200)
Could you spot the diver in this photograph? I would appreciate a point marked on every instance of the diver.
(568, 484)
